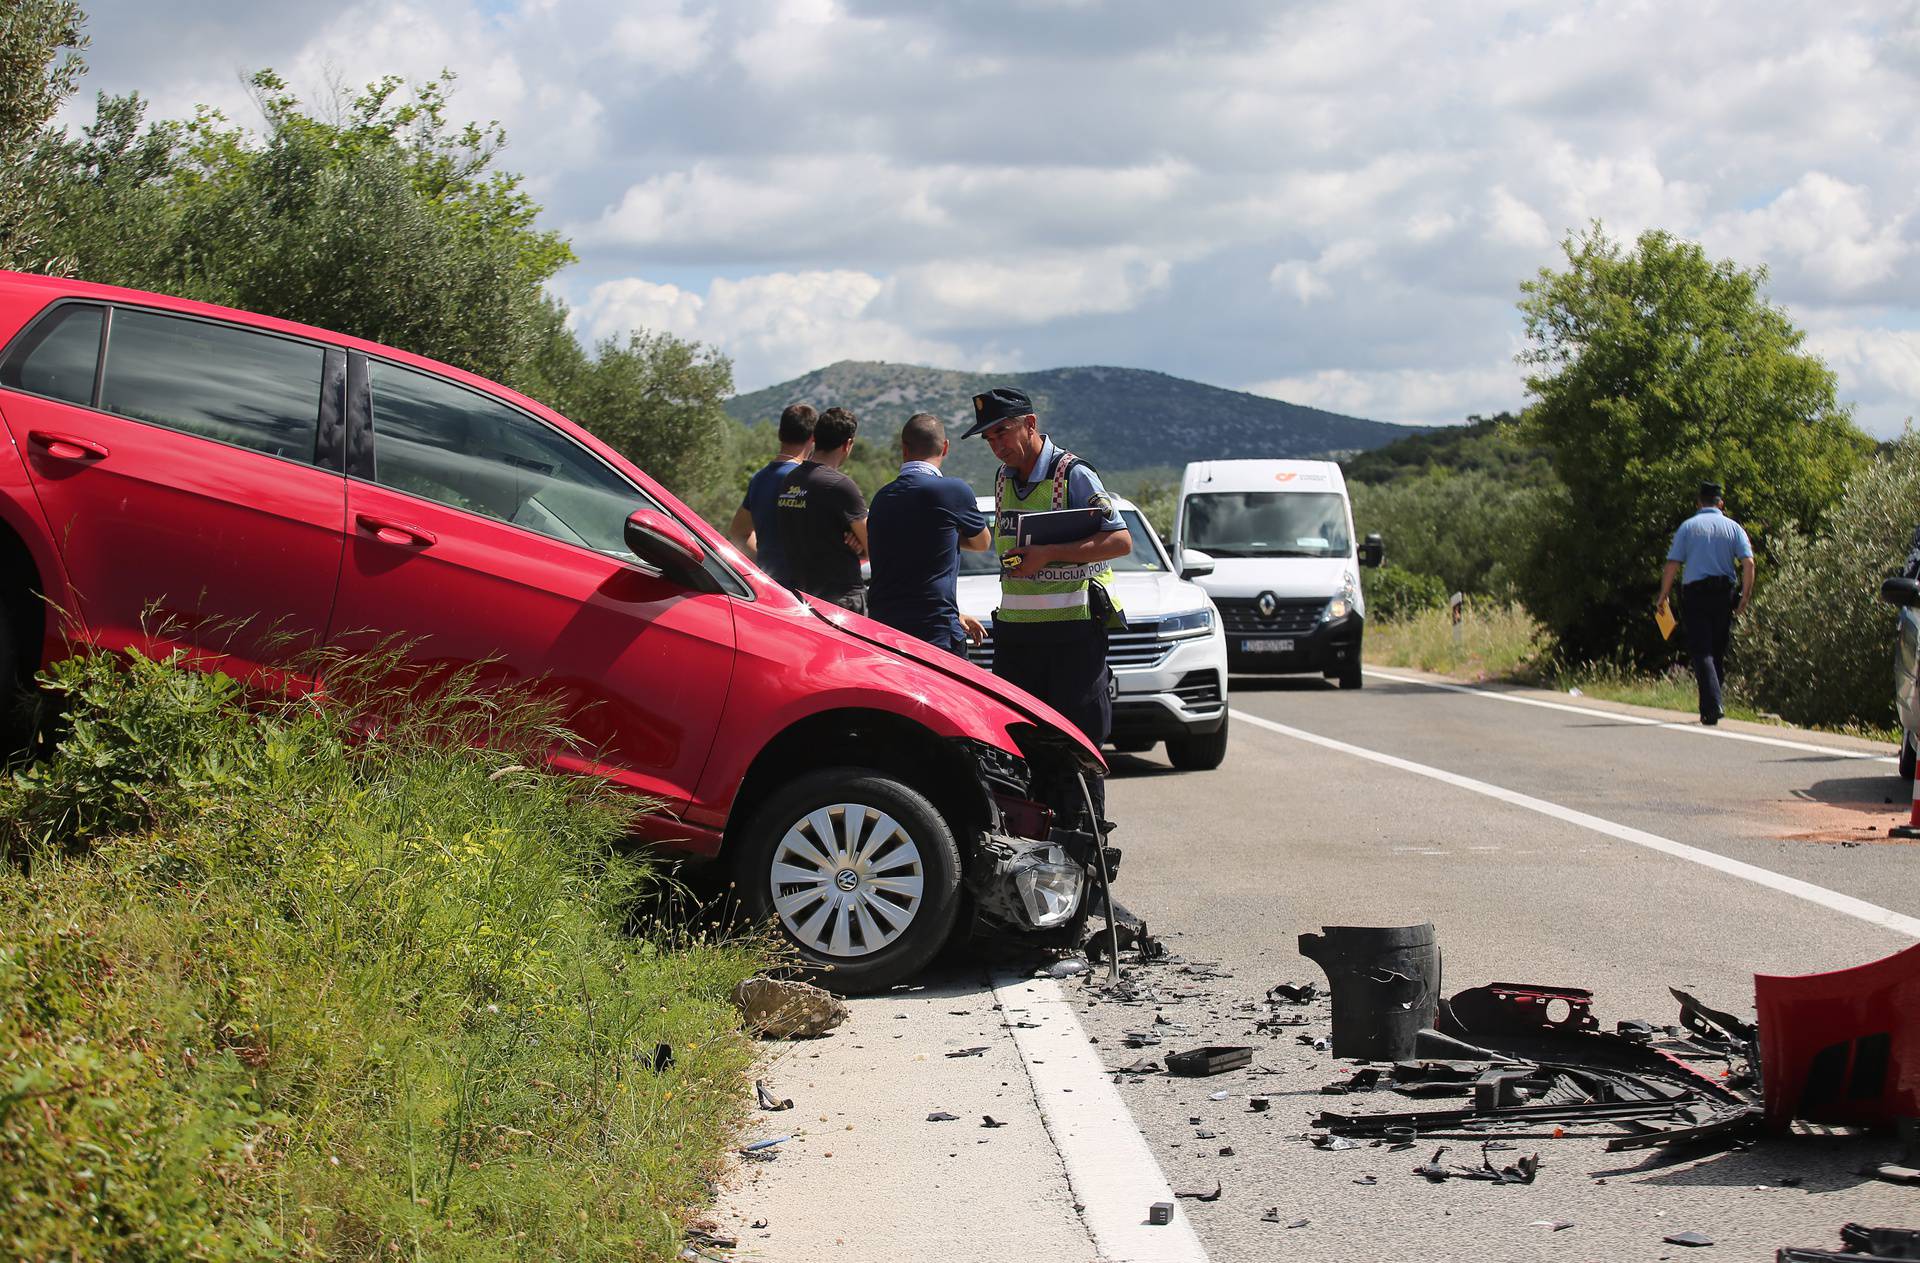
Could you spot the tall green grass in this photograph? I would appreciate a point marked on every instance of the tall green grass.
(1492, 641)
(329, 980)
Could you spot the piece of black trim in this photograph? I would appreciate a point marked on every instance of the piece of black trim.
(100, 360)
(330, 440)
(359, 418)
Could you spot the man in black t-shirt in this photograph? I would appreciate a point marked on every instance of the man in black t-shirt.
(920, 522)
(823, 517)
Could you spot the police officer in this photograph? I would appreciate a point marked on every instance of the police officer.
(1709, 547)
(1056, 604)
(917, 526)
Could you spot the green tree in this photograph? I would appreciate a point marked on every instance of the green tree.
(1819, 646)
(40, 43)
(1653, 368)
(1466, 528)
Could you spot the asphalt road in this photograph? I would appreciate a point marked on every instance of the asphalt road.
(1231, 866)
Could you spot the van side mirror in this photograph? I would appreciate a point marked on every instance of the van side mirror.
(1902, 592)
(1373, 552)
(670, 548)
(1194, 563)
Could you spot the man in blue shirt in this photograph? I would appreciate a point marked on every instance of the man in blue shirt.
(1711, 549)
(916, 527)
(755, 529)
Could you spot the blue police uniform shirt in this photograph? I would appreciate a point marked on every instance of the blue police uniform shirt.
(761, 501)
(914, 528)
(1708, 545)
(1084, 487)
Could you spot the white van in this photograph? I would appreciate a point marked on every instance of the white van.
(1286, 571)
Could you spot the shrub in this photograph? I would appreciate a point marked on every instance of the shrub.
(1819, 646)
(1394, 595)
(315, 981)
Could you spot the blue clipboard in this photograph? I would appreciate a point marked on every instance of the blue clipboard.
(1057, 526)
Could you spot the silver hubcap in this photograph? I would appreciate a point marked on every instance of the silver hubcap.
(847, 880)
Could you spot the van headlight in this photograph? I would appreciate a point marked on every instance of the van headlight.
(1049, 884)
(1192, 623)
(1336, 608)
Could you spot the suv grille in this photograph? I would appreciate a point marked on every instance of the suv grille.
(1139, 648)
(1292, 615)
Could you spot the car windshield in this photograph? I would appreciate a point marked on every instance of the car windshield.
(1267, 524)
(1145, 557)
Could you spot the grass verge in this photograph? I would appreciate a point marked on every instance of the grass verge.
(1505, 643)
(288, 983)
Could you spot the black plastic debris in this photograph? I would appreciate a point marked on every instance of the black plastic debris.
(1334, 1143)
(1196, 1196)
(1203, 1134)
(1385, 984)
(1556, 1225)
(1368, 1181)
(1519, 1172)
(1271, 1215)
(768, 1101)
(988, 1120)
(1226, 1151)
(1258, 1104)
(1211, 1060)
(1146, 1065)
(1299, 1223)
(941, 1116)
(1859, 1244)
(662, 1058)
(1160, 1213)
(1695, 1239)
(1635, 1029)
(969, 1052)
(1365, 1079)
(710, 1240)
(1292, 993)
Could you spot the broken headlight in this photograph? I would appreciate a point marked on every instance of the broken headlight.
(1049, 884)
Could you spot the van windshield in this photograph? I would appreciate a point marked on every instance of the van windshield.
(1267, 524)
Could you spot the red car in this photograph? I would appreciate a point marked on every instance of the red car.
(182, 475)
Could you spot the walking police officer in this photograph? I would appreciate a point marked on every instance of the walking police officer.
(1710, 546)
(1056, 603)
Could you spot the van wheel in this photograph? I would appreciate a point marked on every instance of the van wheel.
(1350, 676)
(1907, 757)
(859, 872)
(1199, 754)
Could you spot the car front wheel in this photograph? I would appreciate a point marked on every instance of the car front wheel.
(860, 873)
(1199, 754)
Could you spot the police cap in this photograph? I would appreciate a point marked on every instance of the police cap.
(997, 405)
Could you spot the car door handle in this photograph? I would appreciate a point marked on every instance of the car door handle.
(66, 446)
(396, 533)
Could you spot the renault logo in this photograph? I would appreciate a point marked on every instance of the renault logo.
(1267, 604)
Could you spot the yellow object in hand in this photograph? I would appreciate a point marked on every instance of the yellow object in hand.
(1663, 619)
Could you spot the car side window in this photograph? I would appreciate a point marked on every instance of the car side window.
(57, 359)
(236, 386)
(444, 442)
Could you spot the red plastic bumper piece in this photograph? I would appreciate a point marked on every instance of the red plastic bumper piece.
(1842, 1047)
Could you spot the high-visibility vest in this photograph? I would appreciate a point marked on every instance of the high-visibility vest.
(1057, 593)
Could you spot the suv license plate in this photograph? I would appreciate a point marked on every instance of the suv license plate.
(1266, 646)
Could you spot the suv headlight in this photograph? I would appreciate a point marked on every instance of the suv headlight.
(1192, 623)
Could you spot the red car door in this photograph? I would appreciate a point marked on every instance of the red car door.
(186, 485)
(481, 536)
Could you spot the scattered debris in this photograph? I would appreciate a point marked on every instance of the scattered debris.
(768, 1101)
(1520, 1172)
(1558, 1225)
(1070, 967)
(1687, 1238)
(1202, 1197)
(1226, 1151)
(941, 1116)
(1517, 1008)
(1201, 1133)
(761, 1149)
(1365, 1079)
(1333, 1143)
(1368, 1180)
(710, 1241)
(1299, 1223)
(1860, 1244)
(1218, 1096)
(1292, 993)
(1146, 1065)
(969, 1052)
(1160, 1213)
(1907, 1169)
(1258, 1104)
(1211, 1060)
(778, 1009)
(1272, 1215)
(988, 1120)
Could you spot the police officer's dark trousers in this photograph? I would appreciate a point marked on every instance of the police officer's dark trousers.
(1706, 606)
(1065, 666)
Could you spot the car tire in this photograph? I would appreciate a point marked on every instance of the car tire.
(1199, 754)
(1907, 757)
(1350, 676)
(16, 700)
(905, 885)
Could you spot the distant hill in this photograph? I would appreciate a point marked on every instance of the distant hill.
(1486, 444)
(1121, 419)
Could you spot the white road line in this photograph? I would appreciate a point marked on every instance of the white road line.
(1109, 1167)
(1832, 752)
(1833, 900)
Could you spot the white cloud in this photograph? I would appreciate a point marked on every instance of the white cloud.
(1030, 291)
(1407, 395)
(1878, 371)
(773, 326)
(1821, 236)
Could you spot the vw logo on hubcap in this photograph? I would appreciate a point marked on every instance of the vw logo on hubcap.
(846, 879)
(1267, 604)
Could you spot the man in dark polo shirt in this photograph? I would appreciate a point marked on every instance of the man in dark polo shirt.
(754, 530)
(918, 524)
(823, 517)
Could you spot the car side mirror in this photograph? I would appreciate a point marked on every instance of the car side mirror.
(1373, 552)
(670, 548)
(1902, 592)
(1194, 563)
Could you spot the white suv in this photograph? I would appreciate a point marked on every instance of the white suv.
(1169, 665)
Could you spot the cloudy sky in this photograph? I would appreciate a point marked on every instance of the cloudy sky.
(1332, 203)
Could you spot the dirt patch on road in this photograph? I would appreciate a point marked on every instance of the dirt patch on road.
(1852, 819)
